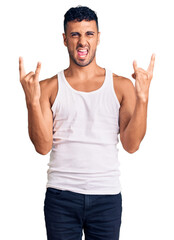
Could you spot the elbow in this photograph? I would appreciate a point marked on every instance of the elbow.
(42, 147)
(131, 149)
(130, 145)
(43, 150)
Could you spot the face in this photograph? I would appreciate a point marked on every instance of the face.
(81, 39)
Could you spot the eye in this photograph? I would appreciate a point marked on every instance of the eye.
(90, 33)
(75, 34)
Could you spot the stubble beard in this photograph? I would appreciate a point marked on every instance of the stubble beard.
(81, 63)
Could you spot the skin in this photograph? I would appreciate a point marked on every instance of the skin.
(80, 74)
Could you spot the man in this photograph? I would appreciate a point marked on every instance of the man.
(78, 114)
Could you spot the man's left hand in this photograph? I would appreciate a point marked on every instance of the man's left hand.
(143, 79)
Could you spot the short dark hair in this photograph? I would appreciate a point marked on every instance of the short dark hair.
(80, 13)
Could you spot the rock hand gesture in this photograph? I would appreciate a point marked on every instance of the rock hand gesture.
(143, 79)
(30, 83)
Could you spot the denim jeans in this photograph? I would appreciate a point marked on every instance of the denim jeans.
(68, 213)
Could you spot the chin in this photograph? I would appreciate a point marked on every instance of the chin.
(82, 64)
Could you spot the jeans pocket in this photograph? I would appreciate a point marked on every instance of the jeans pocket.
(53, 191)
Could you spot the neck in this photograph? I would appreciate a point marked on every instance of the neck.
(82, 72)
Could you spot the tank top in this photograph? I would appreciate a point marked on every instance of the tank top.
(84, 155)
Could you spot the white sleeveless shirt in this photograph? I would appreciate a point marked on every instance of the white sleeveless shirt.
(84, 155)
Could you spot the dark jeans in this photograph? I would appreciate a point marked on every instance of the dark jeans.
(67, 213)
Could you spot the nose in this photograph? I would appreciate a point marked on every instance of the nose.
(82, 41)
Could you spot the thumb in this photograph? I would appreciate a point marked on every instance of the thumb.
(37, 71)
(134, 75)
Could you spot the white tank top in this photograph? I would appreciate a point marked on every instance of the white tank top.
(84, 157)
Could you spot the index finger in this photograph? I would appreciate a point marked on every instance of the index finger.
(21, 67)
(152, 62)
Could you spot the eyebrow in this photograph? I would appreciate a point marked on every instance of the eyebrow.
(79, 33)
(90, 32)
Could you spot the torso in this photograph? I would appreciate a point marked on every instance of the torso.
(86, 87)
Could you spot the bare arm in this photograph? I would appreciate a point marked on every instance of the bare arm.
(40, 122)
(133, 118)
(39, 111)
(133, 110)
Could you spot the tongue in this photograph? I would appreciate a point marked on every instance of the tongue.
(82, 53)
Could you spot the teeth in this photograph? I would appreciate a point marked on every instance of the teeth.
(82, 50)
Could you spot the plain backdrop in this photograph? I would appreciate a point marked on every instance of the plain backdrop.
(130, 30)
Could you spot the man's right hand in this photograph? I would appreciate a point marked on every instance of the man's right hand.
(30, 83)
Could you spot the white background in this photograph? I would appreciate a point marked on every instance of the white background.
(129, 30)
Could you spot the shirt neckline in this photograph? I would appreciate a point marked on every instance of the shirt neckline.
(82, 92)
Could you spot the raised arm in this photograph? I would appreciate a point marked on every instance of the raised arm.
(133, 110)
(39, 111)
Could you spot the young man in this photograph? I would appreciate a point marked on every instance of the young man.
(78, 114)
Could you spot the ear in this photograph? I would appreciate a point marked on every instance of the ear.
(98, 41)
(64, 39)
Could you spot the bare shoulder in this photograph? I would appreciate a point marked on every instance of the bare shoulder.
(49, 88)
(122, 82)
(122, 86)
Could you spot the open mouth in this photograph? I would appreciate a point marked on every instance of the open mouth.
(82, 53)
